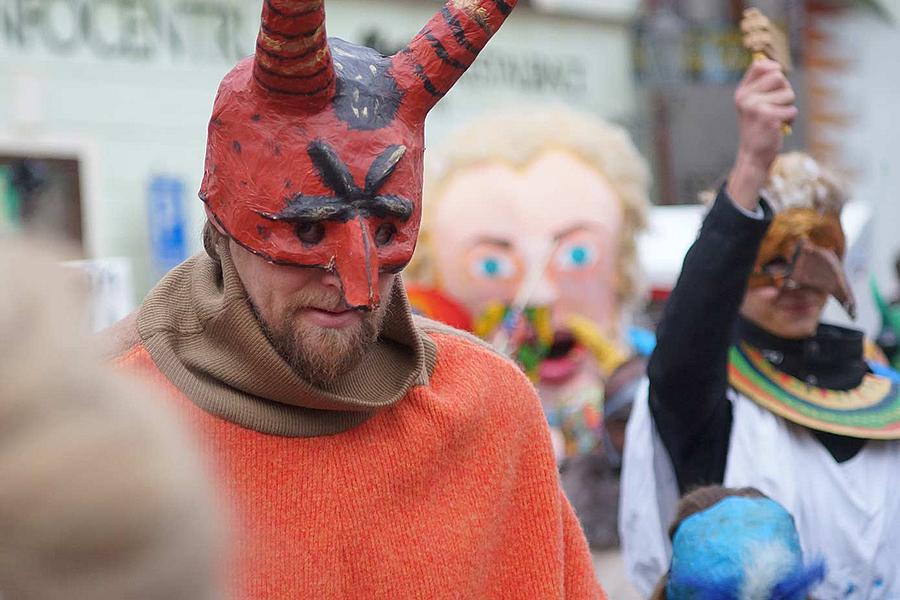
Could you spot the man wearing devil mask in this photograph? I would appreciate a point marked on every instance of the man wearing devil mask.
(364, 453)
(747, 388)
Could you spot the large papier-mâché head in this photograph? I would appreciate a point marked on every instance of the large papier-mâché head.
(315, 148)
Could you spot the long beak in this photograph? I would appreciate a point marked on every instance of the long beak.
(821, 269)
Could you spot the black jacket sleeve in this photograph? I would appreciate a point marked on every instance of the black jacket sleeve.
(688, 371)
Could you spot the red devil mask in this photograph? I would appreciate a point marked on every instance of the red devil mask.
(315, 149)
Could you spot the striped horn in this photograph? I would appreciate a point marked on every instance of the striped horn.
(448, 45)
(292, 54)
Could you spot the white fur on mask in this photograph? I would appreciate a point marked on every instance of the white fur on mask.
(796, 180)
(768, 564)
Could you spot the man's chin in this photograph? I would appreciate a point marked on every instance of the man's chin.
(322, 359)
(320, 355)
(798, 329)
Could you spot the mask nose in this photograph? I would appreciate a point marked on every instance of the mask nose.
(356, 264)
(538, 288)
(545, 292)
(820, 269)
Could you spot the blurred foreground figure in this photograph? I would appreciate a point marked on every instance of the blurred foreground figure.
(100, 496)
(747, 388)
(531, 223)
(366, 454)
(735, 544)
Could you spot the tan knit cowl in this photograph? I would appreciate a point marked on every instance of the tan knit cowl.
(199, 328)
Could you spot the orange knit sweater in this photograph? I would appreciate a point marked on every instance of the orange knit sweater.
(452, 492)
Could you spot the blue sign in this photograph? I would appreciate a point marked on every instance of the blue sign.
(168, 235)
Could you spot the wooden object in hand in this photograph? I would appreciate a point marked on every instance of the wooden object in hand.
(764, 40)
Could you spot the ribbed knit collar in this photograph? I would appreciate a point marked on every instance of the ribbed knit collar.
(199, 328)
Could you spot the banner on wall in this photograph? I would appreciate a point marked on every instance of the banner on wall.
(157, 31)
(167, 217)
(583, 62)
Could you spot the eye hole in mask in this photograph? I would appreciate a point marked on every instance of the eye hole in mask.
(310, 233)
(778, 271)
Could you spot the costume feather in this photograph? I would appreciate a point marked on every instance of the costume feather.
(766, 564)
(799, 582)
(796, 180)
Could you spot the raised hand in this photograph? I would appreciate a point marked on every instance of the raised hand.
(765, 101)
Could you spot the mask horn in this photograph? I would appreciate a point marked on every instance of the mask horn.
(438, 56)
(292, 53)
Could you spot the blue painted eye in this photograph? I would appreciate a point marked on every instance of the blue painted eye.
(579, 255)
(493, 267)
(575, 256)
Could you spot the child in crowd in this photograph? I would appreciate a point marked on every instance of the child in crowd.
(735, 544)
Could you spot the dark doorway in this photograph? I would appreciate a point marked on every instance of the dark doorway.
(41, 196)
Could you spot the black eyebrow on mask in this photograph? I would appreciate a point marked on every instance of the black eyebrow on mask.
(348, 200)
(335, 173)
(312, 209)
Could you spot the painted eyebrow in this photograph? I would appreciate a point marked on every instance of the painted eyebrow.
(493, 241)
(572, 229)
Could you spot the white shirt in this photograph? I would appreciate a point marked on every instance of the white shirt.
(848, 513)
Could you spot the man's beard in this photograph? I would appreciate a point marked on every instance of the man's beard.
(320, 355)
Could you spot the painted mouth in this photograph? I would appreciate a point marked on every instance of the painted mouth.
(562, 361)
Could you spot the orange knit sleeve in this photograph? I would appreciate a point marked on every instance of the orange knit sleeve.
(580, 578)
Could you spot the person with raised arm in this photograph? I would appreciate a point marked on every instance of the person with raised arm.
(748, 388)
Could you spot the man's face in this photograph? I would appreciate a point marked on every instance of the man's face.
(551, 227)
(302, 313)
(787, 313)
